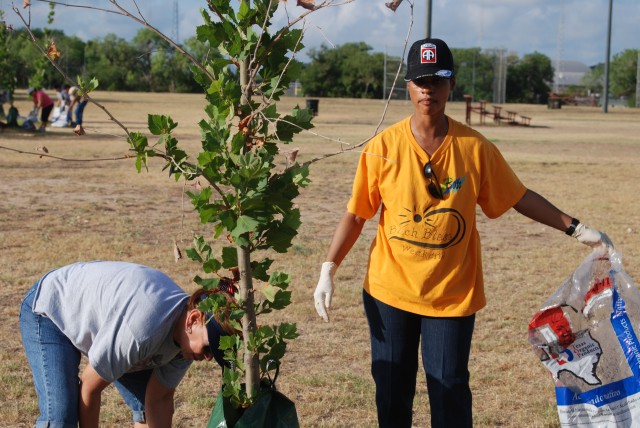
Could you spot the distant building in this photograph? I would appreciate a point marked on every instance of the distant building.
(294, 90)
(567, 73)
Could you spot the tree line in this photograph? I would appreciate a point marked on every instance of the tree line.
(147, 63)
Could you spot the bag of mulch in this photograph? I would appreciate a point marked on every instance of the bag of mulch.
(29, 122)
(586, 334)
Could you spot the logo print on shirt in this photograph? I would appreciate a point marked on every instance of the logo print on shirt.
(438, 229)
(451, 185)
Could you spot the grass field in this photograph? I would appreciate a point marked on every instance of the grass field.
(54, 212)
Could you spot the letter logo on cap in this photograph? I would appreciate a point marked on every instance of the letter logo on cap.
(428, 53)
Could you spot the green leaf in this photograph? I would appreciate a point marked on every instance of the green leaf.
(206, 283)
(211, 265)
(288, 331)
(281, 300)
(270, 292)
(280, 280)
(277, 351)
(265, 331)
(137, 141)
(193, 255)
(160, 124)
(259, 269)
(207, 213)
(229, 257)
(279, 234)
(245, 224)
(244, 12)
(141, 160)
(227, 342)
(86, 87)
(299, 120)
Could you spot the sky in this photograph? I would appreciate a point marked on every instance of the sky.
(568, 30)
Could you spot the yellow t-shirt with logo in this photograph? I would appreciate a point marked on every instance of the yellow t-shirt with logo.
(426, 257)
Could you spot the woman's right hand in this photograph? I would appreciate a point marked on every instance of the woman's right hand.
(324, 289)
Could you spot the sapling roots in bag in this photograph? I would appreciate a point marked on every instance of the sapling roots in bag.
(586, 334)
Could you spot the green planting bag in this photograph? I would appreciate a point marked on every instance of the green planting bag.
(271, 409)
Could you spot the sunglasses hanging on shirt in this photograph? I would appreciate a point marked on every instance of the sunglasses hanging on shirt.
(434, 186)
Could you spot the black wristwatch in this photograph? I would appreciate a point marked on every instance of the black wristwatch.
(572, 226)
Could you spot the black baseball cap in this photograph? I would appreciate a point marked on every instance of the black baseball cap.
(215, 332)
(429, 57)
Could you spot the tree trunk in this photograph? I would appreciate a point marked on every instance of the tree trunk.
(251, 361)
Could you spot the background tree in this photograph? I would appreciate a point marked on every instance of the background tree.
(529, 79)
(593, 80)
(24, 60)
(149, 63)
(171, 72)
(114, 63)
(8, 80)
(361, 71)
(321, 77)
(72, 62)
(348, 70)
(154, 53)
(474, 74)
(624, 66)
(42, 75)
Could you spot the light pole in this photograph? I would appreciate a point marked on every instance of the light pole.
(605, 101)
(428, 23)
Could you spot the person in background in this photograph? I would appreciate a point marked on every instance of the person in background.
(41, 101)
(79, 102)
(424, 284)
(5, 97)
(138, 329)
(62, 96)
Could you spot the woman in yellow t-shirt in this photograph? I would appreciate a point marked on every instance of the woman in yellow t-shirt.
(424, 282)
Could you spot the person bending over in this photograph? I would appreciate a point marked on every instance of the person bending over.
(138, 329)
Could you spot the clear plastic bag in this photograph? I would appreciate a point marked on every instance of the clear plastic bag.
(586, 334)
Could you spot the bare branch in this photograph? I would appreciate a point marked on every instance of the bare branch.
(79, 6)
(177, 47)
(45, 155)
(141, 20)
(393, 5)
(62, 72)
(386, 105)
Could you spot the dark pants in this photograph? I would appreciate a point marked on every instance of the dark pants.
(44, 116)
(446, 343)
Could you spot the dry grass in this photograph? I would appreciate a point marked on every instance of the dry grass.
(56, 212)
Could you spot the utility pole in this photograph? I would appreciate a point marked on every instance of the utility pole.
(605, 101)
(638, 81)
(176, 22)
(428, 23)
(558, 66)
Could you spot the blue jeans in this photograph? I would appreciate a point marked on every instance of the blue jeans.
(55, 362)
(80, 111)
(446, 344)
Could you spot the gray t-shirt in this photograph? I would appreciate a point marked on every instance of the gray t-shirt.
(120, 315)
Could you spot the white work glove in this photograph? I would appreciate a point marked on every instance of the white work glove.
(324, 289)
(591, 237)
